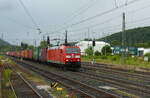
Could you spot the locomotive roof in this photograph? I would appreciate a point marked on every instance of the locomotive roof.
(61, 47)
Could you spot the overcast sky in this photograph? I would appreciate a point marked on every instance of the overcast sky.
(54, 16)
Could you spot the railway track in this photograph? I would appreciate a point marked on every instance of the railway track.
(121, 84)
(134, 82)
(104, 68)
(109, 66)
(22, 88)
(127, 86)
(83, 89)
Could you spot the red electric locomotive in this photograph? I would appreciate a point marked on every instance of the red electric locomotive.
(66, 56)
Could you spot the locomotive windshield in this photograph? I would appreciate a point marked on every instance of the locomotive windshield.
(72, 50)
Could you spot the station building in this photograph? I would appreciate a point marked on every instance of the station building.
(143, 51)
(85, 44)
(131, 50)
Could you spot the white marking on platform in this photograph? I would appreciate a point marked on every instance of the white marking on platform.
(107, 87)
(45, 87)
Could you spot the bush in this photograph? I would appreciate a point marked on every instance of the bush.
(106, 50)
(147, 54)
(89, 51)
(103, 57)
(114, 58)
(97, 53)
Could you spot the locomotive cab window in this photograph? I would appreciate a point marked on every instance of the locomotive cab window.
(72, 50)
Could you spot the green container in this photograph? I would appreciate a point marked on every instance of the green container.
(133, 51)
(36, 53)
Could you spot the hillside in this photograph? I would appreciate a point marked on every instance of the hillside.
(139, 37)
(3, 43)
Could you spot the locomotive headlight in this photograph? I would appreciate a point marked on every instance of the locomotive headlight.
(68, 56)
(77, 56)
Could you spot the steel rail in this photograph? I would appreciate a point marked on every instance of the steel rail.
(62, 79)
(26, 82)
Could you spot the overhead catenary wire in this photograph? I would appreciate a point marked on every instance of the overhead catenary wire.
(116, 5)
(111, 19)
(137, 10)
(119, 25)
(18, 23)
(139, 20)
(98, 24)
(79, 12)
(126, 2)
(29, 15)
(129, 23)
(100, 14)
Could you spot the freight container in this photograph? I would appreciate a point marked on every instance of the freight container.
(22, 54)
(30, 54)
(25, 53)
(43, 55)
(35, 54)
(17, 53)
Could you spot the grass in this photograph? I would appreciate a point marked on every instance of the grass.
(64, 93)
(125, 94)
(6, 61)
(53, 91)
(132, 63)
(6, 74)
(6, 88)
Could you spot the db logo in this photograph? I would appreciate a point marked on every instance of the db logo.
(72, 55)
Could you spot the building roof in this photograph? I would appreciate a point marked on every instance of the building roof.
(90, 42)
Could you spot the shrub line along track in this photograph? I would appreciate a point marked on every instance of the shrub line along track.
(21, 87)
(82, 88)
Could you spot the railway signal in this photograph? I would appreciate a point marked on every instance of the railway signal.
(48, 40)
(93, 43)
(66, 40)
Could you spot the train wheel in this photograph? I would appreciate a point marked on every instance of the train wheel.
(64, 69)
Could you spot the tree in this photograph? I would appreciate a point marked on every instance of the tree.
(31, 47)
(106, 50)
(115, 43)
(24, 45)
(43, 44)
(144, 45)
(87, 39)
(89, 51)
(97, 53)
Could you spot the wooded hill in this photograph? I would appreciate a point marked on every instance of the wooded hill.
(138, 37)
(3, 43)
